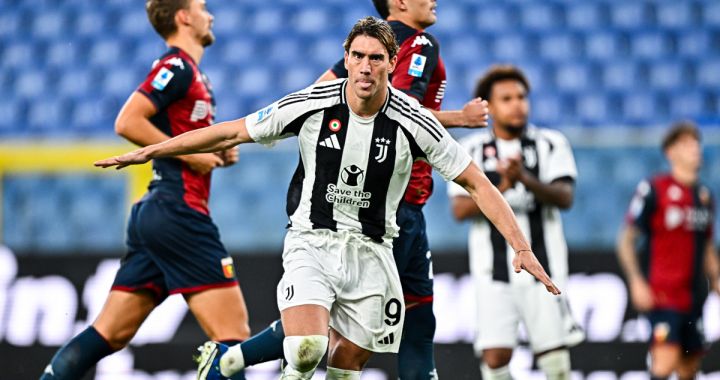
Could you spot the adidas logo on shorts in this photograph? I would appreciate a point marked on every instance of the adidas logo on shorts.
(388, 339)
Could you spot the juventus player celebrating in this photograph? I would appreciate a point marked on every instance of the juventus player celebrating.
(358, 138)
(535, 170)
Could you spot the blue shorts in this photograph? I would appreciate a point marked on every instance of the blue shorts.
(412, 254)
(172, 249)
(685, 329)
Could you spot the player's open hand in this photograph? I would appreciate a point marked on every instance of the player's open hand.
(476, 113)
(525, 259)
(136, 157)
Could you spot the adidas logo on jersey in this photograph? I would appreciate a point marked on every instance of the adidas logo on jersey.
(387, 339)
(331, 142)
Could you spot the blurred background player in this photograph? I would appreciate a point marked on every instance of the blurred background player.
(340, 275)
(173, 245)
(672, 215)
(535, 170)
(420, 73)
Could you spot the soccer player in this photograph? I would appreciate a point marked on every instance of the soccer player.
(673, 213)
(173, 245)
(420, 73)
(358, 138)
(535, 171)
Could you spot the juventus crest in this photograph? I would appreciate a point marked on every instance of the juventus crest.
(382, 144)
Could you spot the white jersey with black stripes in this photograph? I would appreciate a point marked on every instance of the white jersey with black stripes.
(353, 171)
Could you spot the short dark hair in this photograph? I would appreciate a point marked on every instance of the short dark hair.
(161, 14)
(499, 73)
(375, 28)
(382, 8)
(677, 130)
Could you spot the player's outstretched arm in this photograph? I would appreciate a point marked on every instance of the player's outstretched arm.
(474, 114)
(712, 265)
(496, 209)
(211, 139)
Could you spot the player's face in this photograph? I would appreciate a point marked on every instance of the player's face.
(508, 104)
(201, 21)
(368, 67)
(685, 152)
(422, 11)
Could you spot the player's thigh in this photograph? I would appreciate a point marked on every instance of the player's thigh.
(370, 310)
(496, 315)
(688, 366)
(344, 354)
(665, 358)
(122, 315)
(544, 317)
(221, 313)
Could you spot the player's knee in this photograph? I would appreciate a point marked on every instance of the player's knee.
(500, 373)
(303, 353)
(555, 364)
(496, 358)
(117, 340)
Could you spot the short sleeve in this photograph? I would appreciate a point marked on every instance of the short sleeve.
(445, 154)
(415, 65)
(561, 162)
(642, 206)
(167, 82)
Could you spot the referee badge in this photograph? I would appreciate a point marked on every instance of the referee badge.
(227, 267)
(335, 125)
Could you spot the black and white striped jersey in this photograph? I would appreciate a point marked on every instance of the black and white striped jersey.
(353, 171)
(546, 154)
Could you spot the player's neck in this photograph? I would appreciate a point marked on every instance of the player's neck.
(365, 107)
(684, 176)
(407, 20)
(508, 133)
(187, 44)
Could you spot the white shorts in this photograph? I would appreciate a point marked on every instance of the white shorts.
(351, 276)
(502, 307)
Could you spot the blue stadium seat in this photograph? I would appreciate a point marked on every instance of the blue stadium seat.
(31, 83)
(622, 75)
(639, 107)
(48, 24)
(121, 81)
(228, 19)
(556, 47)
(711, 13)
(695, 44)
(676, 14)
(254, 80)
(92, 114)
(18, 54)
(312, 20)
(47, 115)
(604, 46)
(669, 75)
(76, 83)
(574, 77)
(586, 15)
(133, 23)
(91, 23)
(286, 51)
(451, 18)
(630, 15)
(267, 21)
(708, 73)
(106, 53)
(325, 51)
(547, 108)
(297, 78)
(651, 45)
(465, 49)
(62, 53)
(510, 47)
(496, 17)
(146, 52)
(689, 105)
(593, 109)
(237, 51)
(10, 24)
(541, 16)
(13, 111)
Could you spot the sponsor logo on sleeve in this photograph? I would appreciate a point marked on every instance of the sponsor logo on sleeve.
(227, 267)
(417, 65)
(262, 114)
(162, 78)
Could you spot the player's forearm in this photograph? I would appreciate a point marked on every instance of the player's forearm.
(139, 131)
(712, 265)
(450, 119)
(627, 256)
(558, 193)
(215, 138)
(492, 204)
(464, 207)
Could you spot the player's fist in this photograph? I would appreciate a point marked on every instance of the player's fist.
(641, 295)
(230, 156)
(476, 113)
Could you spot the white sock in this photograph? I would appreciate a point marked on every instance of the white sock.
(341, 374)
(290, 373)
(555, 364)
(232, 362)
(502, 373)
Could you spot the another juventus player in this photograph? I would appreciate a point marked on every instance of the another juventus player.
(358, 138)
(673, 215)
(535, 170)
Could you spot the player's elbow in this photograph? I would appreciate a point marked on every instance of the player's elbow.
(565, 201)
(121, 126)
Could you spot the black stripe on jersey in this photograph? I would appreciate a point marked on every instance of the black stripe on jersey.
(327, 167)
(535, 217)
(414, 147)
(305, 95)
(500, 270)
(343, 98)
(416, 120)
(416, 117)
(379, 171)
(295, 125)
(295, 189)
(431, 122)
(311, 97)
